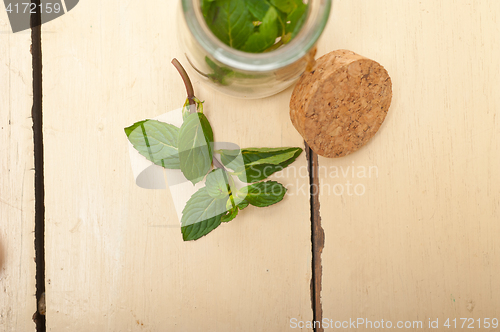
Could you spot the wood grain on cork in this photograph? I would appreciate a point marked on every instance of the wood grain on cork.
(339, 105)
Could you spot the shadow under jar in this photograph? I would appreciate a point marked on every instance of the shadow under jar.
(242, 74)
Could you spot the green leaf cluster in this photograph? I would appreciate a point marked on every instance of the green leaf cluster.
(190, 149)
(254, 25)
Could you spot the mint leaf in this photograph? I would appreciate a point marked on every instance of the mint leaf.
(217, 184)
(157, 141)
(195, 231)
(130, 130)
(205, 6)
(261, 155)
(186, 110)
(243, 204)
(257, 164)
(258, 8)
(267, 34)
(259, 172)
(296, 18)
(282, 24)
(286, 6)
(195, 151)
(255, 156)
(230, 215)
(263, 194)
(230, 21)
(275, 156)
(232, 159)
(201, 215)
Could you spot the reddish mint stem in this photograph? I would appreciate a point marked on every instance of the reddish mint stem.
(190, 95)
(187, 83)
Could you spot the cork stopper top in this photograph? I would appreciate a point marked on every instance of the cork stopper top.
(340, 104)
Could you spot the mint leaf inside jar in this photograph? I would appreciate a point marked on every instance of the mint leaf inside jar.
(254, 26)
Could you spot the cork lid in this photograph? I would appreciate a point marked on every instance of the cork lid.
(341, 103)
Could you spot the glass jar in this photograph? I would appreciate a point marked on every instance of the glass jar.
(242, 74)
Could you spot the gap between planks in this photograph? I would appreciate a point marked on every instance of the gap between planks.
(36, 112)
(317, 238)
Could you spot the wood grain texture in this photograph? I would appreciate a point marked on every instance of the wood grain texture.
(17, 206)
(115, 260)
(419, 240)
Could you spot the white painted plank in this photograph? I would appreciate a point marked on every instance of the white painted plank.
(17, 206)
(112, 262)
(422, 241)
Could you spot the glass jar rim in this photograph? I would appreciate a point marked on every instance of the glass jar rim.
(285, 55)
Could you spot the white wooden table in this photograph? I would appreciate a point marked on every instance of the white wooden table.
(416, 238)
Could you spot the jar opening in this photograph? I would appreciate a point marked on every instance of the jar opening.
(297, 48)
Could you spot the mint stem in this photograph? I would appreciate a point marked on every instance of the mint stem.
(191, 96)
(187, 83)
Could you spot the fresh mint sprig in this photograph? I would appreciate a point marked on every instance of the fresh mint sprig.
(190, 149)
